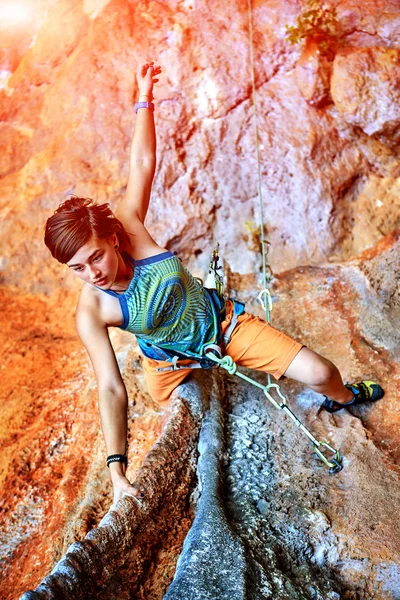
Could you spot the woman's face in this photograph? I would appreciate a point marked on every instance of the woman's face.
(96, 262)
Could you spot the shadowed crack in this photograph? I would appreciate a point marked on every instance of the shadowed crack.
(214, 562)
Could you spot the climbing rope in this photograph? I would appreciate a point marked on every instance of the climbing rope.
(264, 297)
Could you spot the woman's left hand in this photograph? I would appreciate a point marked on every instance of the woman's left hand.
(146, 77)
(124, 487)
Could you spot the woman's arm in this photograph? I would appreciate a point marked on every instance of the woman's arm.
(112, 396)
(142, 162)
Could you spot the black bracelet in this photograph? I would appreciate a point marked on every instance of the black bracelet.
(117, 458)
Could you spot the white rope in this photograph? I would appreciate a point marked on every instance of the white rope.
(256, 136)
(266, 306)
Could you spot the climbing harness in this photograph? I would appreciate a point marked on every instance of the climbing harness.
(264, 297)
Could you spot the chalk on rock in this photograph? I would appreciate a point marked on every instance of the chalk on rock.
(262, 506)
(254, 418)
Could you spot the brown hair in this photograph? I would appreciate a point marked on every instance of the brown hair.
(73, 224)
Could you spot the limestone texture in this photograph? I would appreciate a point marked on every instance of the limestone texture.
(235, 506)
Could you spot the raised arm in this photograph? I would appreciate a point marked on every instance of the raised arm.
(142, 162)
(112, 396)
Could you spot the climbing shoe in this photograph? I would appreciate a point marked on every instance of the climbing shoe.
(365, 391)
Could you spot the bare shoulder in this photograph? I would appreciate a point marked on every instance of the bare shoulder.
(88, 311)
(88, 299)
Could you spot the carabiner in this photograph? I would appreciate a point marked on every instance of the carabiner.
(268, 305)
(335, 464)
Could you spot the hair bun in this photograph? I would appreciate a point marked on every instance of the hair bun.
(75, 203)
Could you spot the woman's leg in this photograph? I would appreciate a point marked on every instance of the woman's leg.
(320, 374)
(257, 345)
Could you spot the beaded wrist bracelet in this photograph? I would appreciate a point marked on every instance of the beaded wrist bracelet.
(117, 458)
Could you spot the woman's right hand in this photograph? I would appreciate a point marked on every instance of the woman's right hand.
(122, 487)
(146, 77)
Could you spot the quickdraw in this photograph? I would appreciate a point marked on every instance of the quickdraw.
(215, 270)
(214, 354)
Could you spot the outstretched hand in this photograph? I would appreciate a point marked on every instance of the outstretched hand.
(146, 77)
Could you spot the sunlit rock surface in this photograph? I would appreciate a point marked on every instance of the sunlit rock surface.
(330, 181)
(365, 89)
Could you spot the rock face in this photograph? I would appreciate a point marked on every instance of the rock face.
(317, 164)
(365, 90)
(329, 153)
(313, 73)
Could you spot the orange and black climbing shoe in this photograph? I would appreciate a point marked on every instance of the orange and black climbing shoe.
(365, 391)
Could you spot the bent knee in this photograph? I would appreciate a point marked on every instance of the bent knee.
(322, 372)
(311, 368)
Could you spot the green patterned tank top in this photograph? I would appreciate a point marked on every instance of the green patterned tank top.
(166, 307)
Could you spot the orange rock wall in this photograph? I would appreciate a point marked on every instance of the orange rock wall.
(330, 182)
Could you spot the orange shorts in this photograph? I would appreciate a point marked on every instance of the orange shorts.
(254, 344)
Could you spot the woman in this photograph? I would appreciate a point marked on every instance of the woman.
(133, 283)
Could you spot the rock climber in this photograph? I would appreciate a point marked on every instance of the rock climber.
(129, 281)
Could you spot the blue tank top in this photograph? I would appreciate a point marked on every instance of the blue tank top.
(166, 307)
